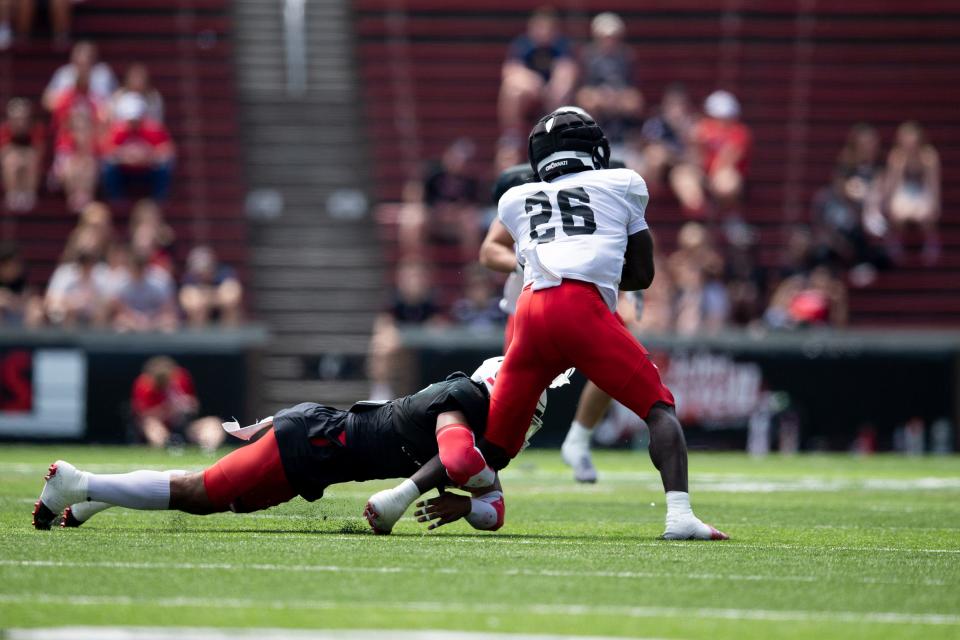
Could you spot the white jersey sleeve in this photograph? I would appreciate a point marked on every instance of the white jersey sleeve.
(637, 196)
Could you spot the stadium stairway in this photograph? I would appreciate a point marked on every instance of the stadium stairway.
(804, 71)
(316, 277)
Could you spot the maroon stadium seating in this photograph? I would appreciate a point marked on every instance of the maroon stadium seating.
(814, 72)
(187, 47)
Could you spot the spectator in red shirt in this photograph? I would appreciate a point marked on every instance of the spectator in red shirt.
(722, 146)
(138, 150)
(164, 406)
(75, 156)
(22, 141)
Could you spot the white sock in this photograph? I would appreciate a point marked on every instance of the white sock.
(406, 491)
(136, 490)
(578, 435)
(83, 511)
(678, 504)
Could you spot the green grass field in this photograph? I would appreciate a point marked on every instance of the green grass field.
(822, 547)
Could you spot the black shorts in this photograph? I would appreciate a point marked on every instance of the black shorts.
(311, 439)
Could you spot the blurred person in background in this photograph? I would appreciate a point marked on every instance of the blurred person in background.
(75, 167)
(912, 190)
(83, 62)
(138, 151)
(606, 72)
(150, 234)
(165, 407)
(847, 213)
(817, 298)
(210, 291)
(798, 256)
(443, 206)
(745, 280)
(696, 269)
(77, 295)
(147, 302)
(539, 71)
(137, 82)
(22, 147)
(118, 264)
(61, 19)
(6, 32)
(721, 148)
(19, 306)
(412, 304)
(479, 308)
(665, 136)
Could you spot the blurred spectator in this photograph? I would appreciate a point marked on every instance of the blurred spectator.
(137, 82)
(77, 293)
(539, 71)
(912, 190)
(138, 151)
(479, 308)
(211, 291)
(118, 268)
(744, 278)
(61, 18)
(803, 300)
(83, 62)
(150, 235)
(75, 160)
(861, 169)
(18, 304)
(22, 144)
(798, 255)
(164, 405)
(443, 208)
(696, 268)
(665, 136)
(606, 68)
(412, 304)
(722, 146)
(147, 301)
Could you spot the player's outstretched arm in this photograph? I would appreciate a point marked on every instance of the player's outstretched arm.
(496, 252)
(638, 268)
(459, 454)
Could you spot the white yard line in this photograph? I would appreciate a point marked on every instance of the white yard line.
(181, 633)
(573, 609)
(535, 573)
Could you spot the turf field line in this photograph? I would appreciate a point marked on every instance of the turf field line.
(552, 609)
(533, 573)
(693, 546)
(207, 633)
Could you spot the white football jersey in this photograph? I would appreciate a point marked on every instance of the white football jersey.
(576, 227)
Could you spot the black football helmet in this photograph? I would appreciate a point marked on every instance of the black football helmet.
(564, 141)
(512, 177)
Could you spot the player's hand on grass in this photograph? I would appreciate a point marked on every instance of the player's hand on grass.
(444, 509)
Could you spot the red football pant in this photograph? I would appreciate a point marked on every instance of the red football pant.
(250, 478)
(558, 328)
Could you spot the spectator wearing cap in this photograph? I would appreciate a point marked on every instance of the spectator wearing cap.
(210, 291)
(138, 151)
(539, 69)
(606, 70)
(22, 143)
(83, 62)
(722, 147)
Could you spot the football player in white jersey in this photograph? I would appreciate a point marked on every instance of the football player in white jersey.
(581, 236)
(497, 253)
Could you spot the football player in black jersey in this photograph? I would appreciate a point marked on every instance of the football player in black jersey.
(428, 437)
